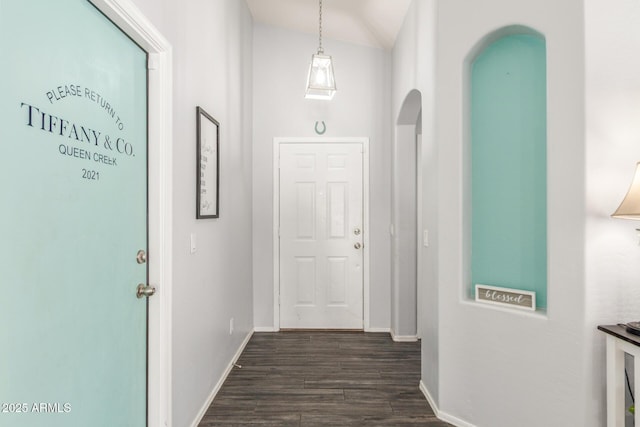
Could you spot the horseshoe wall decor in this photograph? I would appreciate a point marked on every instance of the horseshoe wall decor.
(324, 128)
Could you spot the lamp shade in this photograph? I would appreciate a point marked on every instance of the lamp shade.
(630, 206)
(321, 83)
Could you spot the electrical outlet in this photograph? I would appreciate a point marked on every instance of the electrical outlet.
(231, 326)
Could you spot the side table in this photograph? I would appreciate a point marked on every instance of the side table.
(619, 342)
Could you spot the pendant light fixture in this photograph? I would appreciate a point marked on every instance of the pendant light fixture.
(321, 83)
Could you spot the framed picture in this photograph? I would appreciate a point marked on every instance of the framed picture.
(208, 165)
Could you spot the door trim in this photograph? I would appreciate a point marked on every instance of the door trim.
(276, 215)
(419, 236)
(125, 15)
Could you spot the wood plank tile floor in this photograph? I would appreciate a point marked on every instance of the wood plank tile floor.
(323, 379)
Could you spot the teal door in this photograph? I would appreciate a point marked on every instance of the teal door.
(73, 191)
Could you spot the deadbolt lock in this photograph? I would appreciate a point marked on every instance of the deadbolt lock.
(357, 231)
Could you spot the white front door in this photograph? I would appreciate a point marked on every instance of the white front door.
(321, 236)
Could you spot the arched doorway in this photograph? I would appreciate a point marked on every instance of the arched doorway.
(406, 219)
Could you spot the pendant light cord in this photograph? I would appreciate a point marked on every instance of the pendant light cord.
(320, 50)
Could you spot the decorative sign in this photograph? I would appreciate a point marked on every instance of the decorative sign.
(208, 165)
(506, 297)
(93, 148)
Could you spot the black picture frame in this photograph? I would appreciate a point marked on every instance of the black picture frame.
(207, 166)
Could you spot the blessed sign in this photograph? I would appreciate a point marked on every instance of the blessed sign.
(506, 297)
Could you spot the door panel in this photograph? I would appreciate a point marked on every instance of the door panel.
(73, 181)
(305, 281)
(338, 215)
(321, 206)
(337, 280)
(306, 215)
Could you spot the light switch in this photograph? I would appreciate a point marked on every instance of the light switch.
(193, 243)
(425, 238)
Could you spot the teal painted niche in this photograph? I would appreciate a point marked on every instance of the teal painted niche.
(509, 165)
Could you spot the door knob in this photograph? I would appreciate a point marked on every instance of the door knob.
(145, 290)
(357, 245)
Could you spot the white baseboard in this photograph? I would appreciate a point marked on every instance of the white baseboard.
(265, 329)
(403, 338)
(440, 414)
(218, 385)
(377, 330)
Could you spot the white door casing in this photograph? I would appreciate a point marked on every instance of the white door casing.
(321, 233)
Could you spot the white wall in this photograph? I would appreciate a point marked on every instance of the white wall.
(483, 366)
(613, 148)
(413, 68)
(491, 361)
(359, 109)
(212, 51)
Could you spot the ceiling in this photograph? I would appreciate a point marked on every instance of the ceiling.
(366, 22)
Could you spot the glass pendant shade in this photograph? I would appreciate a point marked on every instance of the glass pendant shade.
(630, 206)
(321, 83)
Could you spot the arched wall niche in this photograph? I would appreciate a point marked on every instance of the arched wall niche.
(497, 34)
(505, 163)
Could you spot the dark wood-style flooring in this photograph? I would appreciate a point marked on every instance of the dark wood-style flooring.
(323, 379)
